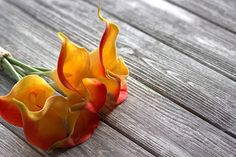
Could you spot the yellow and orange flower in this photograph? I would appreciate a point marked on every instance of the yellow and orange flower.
(76, 63)
(88, 80)
(49, 119)
(33, 91)
(106, 63)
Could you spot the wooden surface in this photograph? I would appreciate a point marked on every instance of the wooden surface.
(181, 56)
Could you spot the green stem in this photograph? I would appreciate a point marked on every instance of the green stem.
(42, 69)
(19, 70)
(22, 65)
(40, 73)
(8, 68)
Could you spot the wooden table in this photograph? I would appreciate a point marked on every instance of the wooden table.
(182, 60)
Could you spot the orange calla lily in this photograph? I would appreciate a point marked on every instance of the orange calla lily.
(83, 119)
(88, 80)
(106, 54)
(32, 91)
(81, 126)
(73, 70)
(47, 119)
(75, 63)
(45, 127)
(110, 66)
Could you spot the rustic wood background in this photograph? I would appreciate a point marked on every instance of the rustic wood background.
(182, 60)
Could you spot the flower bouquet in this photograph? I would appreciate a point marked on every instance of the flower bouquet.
(58, 108)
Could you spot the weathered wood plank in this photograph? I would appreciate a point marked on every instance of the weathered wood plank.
(199, 89)
(11, 145)
(193, 36)
(220, 12)
(147, 118)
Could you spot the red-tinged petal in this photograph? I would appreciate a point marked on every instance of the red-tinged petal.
(32, 90)
(96, 94)
(108, 51)
(10, 112)
(82, 124)
(85, 126)
(68, 141)
(47, 126)
(107, 47)
(113, 87)
(123, 93)
(73, 64)
(59, 85)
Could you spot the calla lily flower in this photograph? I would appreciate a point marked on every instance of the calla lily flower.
(52, 121)
(45, 127)
(106, 63)
(32, 91)
(83, 118)
(76, 63)
(88, 81)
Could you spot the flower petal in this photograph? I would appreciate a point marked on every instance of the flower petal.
(47, 126)
(10, 112)
(82, 125)
(113, 87)
(32, 90)
(123, 93)
(97, 68)
(73, 64)
(108, 51)
(120, 69)
(83, 119)
(60, 86)
(96, 94)
(85, 126)
(107, 67)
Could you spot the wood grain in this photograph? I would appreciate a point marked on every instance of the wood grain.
(178, 28)
(11, 145)
(221, 12)
(188, 83)
(147, 118)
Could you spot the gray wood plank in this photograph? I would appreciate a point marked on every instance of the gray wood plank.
(197, 88)
(219, 12)
(11, 145)
(178, 28)
(149, 119)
